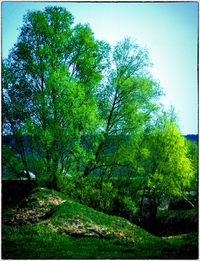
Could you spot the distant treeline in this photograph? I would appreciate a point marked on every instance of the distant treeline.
(192, 137)
(10, 140)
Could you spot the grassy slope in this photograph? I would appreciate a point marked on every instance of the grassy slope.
(49, 225)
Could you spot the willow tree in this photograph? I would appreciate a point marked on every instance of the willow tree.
(49, 87)
(127, 104)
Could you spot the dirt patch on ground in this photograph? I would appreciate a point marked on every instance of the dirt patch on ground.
(33, 211)
(79, 228)
(51, 200)
(25, 216)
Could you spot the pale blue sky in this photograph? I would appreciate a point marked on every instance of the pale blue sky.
(168, 30)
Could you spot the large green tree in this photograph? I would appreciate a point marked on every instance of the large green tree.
(49, 87)
(127, 101)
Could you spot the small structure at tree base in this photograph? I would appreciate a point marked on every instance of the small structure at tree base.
(25, 175)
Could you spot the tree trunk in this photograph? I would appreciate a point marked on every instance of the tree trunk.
(141, 203)
(93, 164)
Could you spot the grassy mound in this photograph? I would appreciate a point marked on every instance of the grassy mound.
(66, 216)
(47, 224)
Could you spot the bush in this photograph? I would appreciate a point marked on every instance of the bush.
(101, 194)
(124, 206)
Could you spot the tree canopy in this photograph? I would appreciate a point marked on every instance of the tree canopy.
(51, 77)
(86, 106)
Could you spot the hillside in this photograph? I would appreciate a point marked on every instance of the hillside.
(47, 224)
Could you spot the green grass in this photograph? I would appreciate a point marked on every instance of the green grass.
(38, 242)
(75, 231)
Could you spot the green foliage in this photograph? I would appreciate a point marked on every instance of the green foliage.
(12, 164)
(49, 87)
(164, 162)
(192, 154)
(91, 191)
(171, 171)
(127, 101)
(114, 196)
